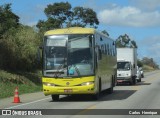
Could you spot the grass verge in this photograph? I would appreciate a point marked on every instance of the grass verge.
(148, 68)
(26, 83)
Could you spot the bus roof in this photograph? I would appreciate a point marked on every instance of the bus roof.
(71, 30)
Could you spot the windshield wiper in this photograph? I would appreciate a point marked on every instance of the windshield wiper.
(57, 73)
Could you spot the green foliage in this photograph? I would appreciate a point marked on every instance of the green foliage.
(147, 68)
(139, 63)
(20, 77)
(18, 43)
(125, 41)
(26, 82)
(18, 49)
(84, 16)
(62, 15)
(48, 25)
(8, 19)
(58, 10)
(57, 14)
(150, 62)
(7, 89)
(18, 53)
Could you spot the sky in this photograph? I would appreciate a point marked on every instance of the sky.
(140, 19)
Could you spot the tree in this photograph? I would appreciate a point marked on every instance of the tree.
(61, 15)
(8, 19)
(84, 16)
(19, 51)
(48, 25)
(18, 43)
(139, 63)
(150, 62)
(125, 41)
(59, 11)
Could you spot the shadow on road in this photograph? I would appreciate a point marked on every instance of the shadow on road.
(142, 83)
(117, 95)
(137, 84)
(104, 96)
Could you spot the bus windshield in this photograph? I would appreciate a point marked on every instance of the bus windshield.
(68, 55)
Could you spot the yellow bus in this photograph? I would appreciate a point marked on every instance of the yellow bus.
(78, 60)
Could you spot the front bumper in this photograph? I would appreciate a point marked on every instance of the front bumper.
(49, 90)
(124, 79)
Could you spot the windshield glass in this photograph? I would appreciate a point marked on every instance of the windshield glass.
(55, 52)
(68, 55)
(80, 54)
(123, 65)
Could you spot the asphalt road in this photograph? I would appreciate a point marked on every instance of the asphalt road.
(125, 102)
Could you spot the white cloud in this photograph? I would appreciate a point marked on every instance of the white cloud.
(129, 16)
(146, 4)
(151, 46)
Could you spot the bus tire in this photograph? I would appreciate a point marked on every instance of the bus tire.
(110, 90)
(115, 83)
(97, 95)
(55, 97)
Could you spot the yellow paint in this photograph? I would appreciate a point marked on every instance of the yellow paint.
(71, 30)
(87, 109)
(74, 86)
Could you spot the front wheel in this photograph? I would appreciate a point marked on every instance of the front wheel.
(115, 83)
(96, 96)
(110, 90)
(139, 80)
(142, 75)
(55, 97)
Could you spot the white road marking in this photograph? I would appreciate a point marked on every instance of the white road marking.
(28, 103)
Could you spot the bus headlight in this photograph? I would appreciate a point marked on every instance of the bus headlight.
(87, 83)
(48, 84)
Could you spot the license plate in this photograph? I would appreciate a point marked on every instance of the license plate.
(68, 90)
(119, 80)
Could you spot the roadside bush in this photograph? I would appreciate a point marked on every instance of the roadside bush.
(18, 49)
